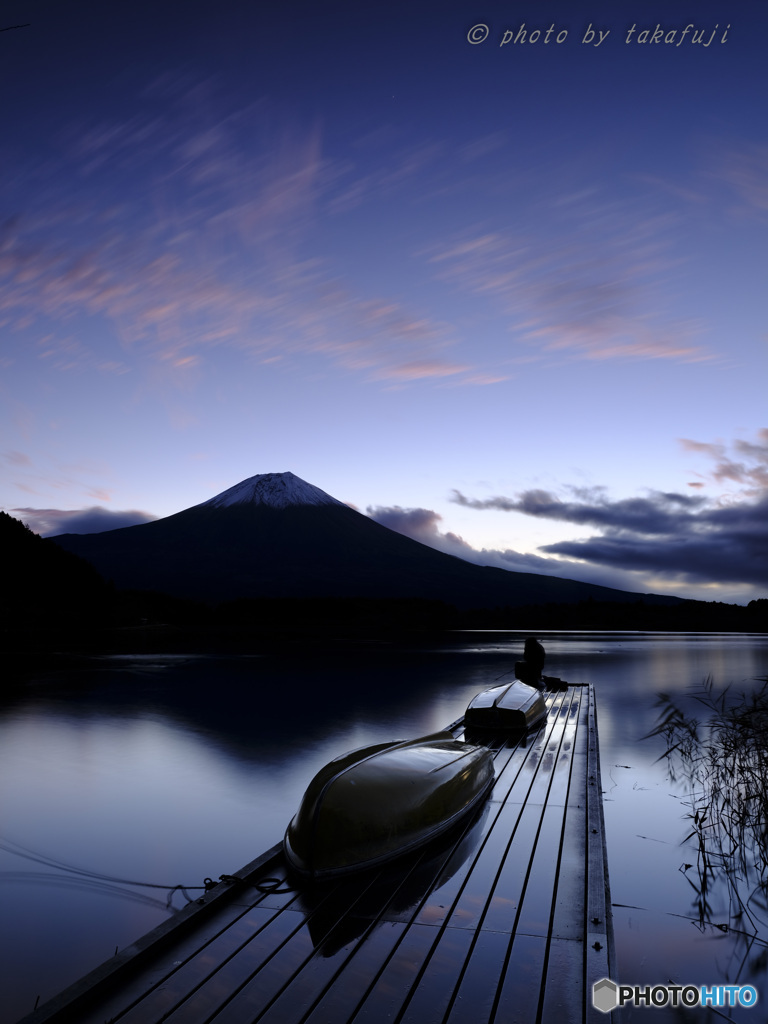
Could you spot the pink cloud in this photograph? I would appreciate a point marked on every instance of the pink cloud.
(212, 253)
(750, 474)
(420, 370)
(17, 458)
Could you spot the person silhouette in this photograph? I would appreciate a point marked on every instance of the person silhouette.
(530, 669)
(534, 654)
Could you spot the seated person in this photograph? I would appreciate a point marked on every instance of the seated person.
(530, 669)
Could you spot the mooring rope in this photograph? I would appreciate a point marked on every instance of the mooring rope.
(97, 877)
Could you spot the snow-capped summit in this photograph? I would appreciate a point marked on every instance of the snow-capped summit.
(275, 490)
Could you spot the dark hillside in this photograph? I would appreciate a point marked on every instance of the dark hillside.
(43, 585)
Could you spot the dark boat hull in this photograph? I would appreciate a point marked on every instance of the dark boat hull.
(372, 805)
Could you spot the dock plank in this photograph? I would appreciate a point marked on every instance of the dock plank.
(431, 998)
(199, 971)
(506, 918)
(344, 1001)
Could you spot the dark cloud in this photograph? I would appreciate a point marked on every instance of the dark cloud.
(51, 522)
(679, 538)
(715, 549)
(657, 514)
(422, 524)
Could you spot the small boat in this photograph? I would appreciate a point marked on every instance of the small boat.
(511, 706)
(373, 804)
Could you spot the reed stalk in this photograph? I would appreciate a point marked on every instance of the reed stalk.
(722, 761)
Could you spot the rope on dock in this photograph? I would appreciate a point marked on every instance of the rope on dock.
(96, 878)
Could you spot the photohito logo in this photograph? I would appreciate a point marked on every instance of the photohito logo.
(607, 995)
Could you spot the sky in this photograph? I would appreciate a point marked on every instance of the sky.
(492, 273)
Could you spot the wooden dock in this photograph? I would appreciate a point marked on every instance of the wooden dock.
(507, 921)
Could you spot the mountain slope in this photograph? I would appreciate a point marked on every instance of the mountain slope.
(274, 535)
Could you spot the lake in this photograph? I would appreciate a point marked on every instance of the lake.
(168, 769)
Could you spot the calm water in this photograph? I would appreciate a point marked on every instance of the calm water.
(171, 769)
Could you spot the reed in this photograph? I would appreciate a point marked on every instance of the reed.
(723, 762)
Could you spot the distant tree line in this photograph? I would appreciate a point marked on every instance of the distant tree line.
(51, 598)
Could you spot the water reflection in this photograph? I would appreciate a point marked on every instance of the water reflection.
(171, 769)
(389, 895)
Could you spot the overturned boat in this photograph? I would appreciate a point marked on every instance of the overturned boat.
(373, 804)
(511, 706)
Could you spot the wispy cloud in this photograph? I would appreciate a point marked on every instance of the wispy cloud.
(43, 476)
(13, 458)
(194, 225)
(425, 368)
(745, 171)
(750, 474)
(185, 231)
(582, 277)
(396, 166)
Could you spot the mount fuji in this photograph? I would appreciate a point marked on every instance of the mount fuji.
(275, 536)
(272, 490)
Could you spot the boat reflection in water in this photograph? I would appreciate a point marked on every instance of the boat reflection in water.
(380, 802)
(413, 884)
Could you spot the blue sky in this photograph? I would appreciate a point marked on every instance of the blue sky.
(508, 297)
